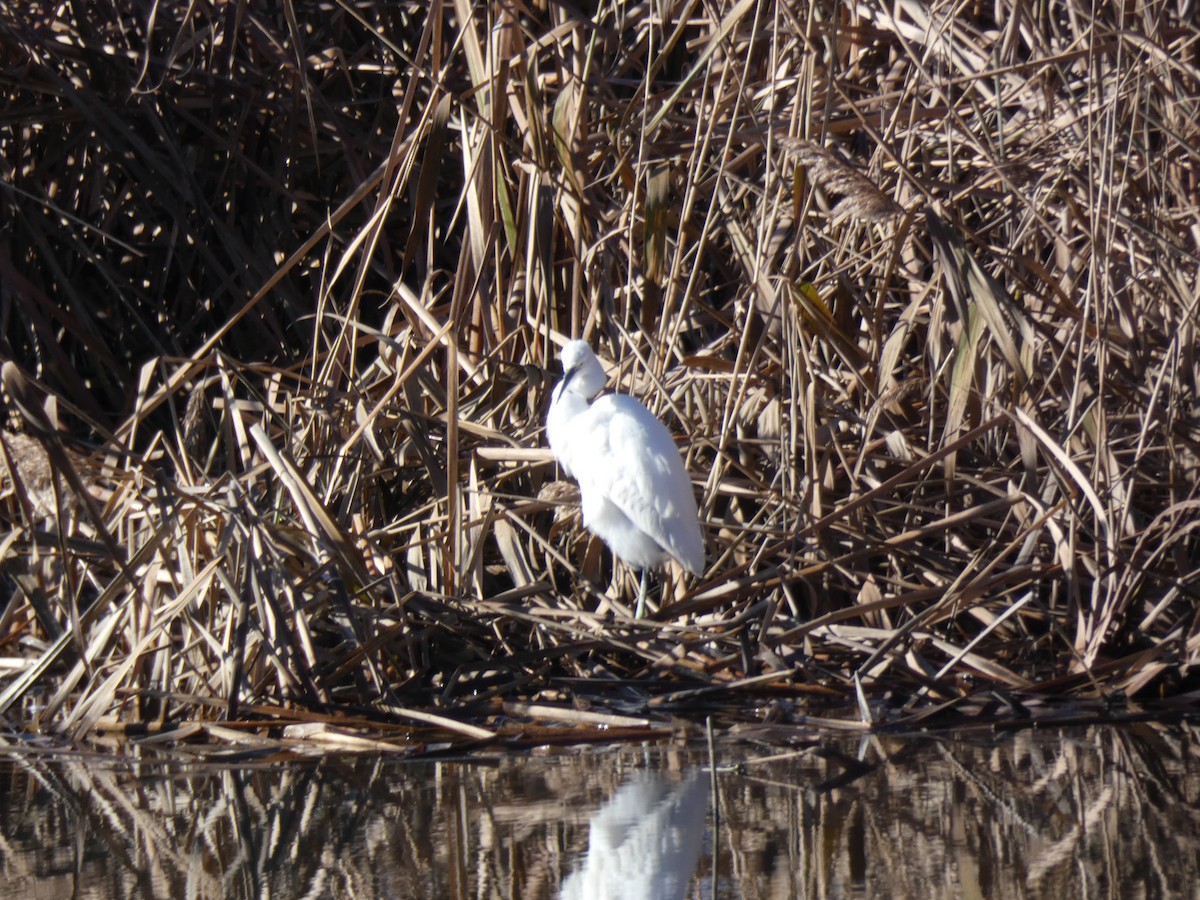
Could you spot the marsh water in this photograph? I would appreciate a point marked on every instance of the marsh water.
(1096, 812)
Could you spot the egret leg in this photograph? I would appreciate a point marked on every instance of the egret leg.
(641, 604)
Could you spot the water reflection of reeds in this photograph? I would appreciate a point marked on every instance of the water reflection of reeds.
(1088, 813)
(1027, 816)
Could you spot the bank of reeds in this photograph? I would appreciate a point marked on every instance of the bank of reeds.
(915, 286)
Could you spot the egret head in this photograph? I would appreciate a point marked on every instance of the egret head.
(582, 373)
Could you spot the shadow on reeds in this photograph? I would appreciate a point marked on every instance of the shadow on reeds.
(281, 288)
(1081, 812)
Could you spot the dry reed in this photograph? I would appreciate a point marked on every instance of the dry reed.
(914, 284)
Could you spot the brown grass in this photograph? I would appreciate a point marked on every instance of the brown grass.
(282, 287)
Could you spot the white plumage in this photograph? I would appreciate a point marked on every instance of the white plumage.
(636, 493)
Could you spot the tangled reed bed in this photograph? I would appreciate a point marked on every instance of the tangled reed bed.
(915, 286)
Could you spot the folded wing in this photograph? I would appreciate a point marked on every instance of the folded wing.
(636, 465)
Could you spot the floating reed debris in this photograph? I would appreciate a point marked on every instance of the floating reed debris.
(291, 280)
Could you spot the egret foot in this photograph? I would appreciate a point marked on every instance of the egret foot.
(641, 604)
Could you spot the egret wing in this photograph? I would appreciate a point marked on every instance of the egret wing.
(635, 463)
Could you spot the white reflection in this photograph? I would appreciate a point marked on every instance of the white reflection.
(643, 844)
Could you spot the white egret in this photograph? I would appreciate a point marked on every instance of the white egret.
(635, 492)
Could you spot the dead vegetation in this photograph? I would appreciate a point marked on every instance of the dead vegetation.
(915, 285)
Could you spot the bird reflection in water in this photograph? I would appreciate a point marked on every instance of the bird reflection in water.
(644, 843)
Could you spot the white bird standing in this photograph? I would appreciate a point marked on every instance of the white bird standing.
(635, 492)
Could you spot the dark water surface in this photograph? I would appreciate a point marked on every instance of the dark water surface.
(1102, 812)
